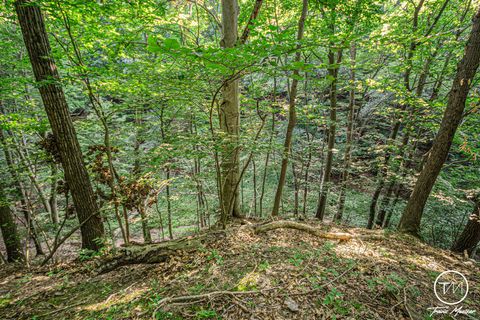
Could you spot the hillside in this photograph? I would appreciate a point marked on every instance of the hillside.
(242, 274)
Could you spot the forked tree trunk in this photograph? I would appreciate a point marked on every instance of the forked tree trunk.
(466, 69)
(48, 81)
(470, 236)
(292, 114)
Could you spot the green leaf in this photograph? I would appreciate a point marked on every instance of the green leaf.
(171, 43)
(152, 45)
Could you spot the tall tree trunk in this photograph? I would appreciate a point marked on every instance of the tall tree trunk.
(48, 81)
(466, 69)
(292, 114)
(470, 236)
(348, 147)
(325, 185)
(9, 229)
(230, 120)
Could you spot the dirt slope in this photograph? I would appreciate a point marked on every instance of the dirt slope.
(280, 274)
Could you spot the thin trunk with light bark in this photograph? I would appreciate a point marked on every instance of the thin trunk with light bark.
(292, 113)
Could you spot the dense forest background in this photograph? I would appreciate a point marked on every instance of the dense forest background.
(253, 159)
(189, 113)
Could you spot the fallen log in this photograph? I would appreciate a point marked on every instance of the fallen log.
(285, 224)
(161, 252)
(155, 252)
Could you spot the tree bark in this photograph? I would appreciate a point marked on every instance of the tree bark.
(466, 69)
(48, 81)
(292, 113)
(348, 147)
(267, 158)
(470, 236)
(53, 195)
(230, 120)
(325, 185)
(9, 229)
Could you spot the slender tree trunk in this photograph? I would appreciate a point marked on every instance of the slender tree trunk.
(147, 237)
(33, 179)
(466, 69)
(292, 114)
(390, 208)
(325, 185)
(20, 193)
(254, 186)
(470, 236)
(169, 205)
(382, 174)
(391, 185)
(230, 120)
(348, 147)
(48, 81)
(9, 229)
(53, 195)
(307, 171)
(296, 188)
(267, 158)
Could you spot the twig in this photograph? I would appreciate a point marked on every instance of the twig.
(62, 309)
(210, 295)
(405, 302)
(59, 243)
(122, 290)
(322, 286)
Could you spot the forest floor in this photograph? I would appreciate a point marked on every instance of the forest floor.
(280, 274)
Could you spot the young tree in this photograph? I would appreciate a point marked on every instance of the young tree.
(348, 147)
(466, 69)
(292, 114)
(334, 60)
(48, 81)
(230, 119)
